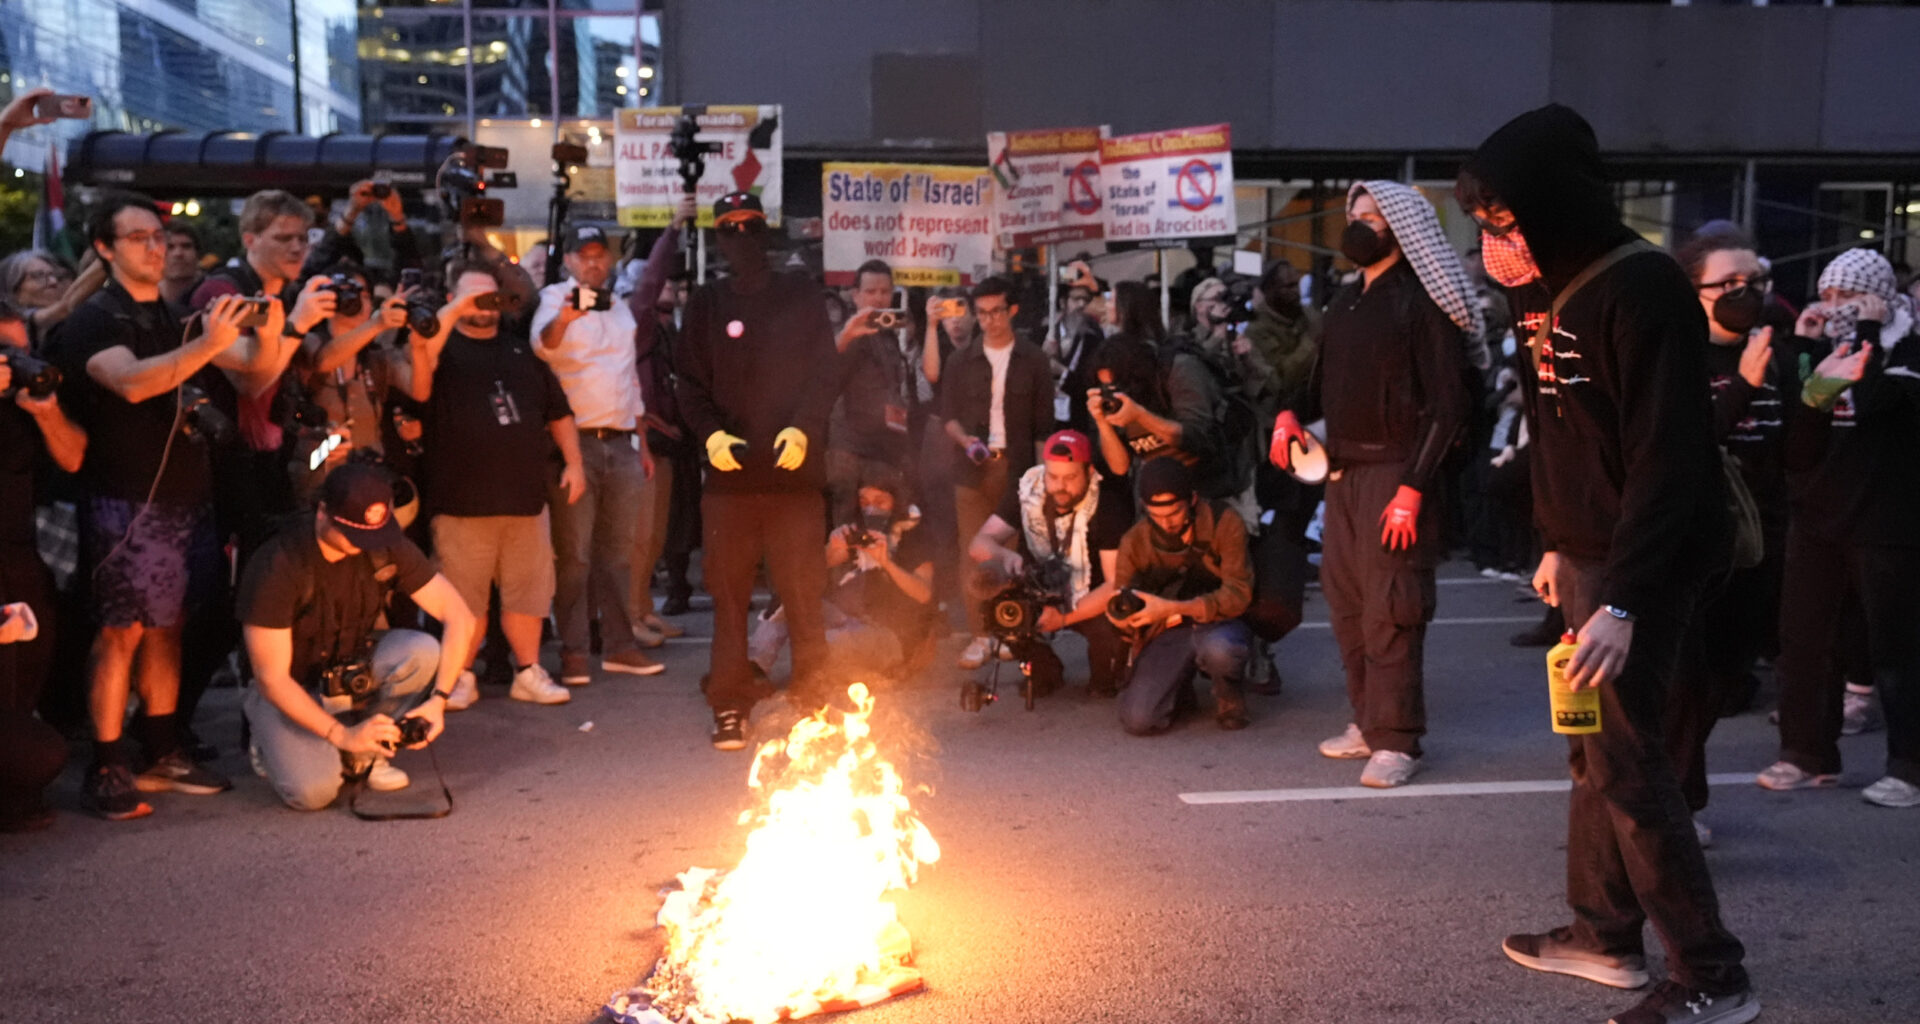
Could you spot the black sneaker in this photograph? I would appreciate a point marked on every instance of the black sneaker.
(729, 730)
(676, 604)
(176, 773)
(110, 793)
(1671, 1002)
(1555, 953)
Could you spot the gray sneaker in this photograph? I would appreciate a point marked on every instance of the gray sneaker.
(1673, 1003)
(1387, 769)
(1892, 792)
(1555, 953)
(176, 773)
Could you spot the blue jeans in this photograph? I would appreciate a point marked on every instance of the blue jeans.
(593, 545)
(1168, 664)
(306, 769)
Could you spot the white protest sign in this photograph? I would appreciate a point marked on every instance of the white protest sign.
(932, 224)
(1049, 186)
(646, 175)
(1168, 186)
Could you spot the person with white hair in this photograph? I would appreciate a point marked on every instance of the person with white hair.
(1391, 384)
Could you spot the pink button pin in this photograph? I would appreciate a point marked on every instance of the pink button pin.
(735, 328)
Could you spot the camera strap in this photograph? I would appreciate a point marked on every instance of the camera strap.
(358, 784)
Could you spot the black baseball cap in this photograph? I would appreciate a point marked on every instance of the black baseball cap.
(1165, 481)
(584, 235)
(738, 208)
(359, 500)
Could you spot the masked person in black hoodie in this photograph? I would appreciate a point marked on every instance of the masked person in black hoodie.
(757, 379)
(1854, 512)
(1391, 381)
(1629, 498)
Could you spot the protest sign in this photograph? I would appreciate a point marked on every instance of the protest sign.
(646, 174)
(1163, 188)
(1049, 186)
(932, 224)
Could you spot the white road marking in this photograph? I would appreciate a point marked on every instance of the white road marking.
(1289, 796)
(1495, 621)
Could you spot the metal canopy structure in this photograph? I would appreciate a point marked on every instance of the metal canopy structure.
(179, 164)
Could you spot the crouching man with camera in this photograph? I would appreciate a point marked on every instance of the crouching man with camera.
(1062, 510)
(329, 697)
(1184, 580)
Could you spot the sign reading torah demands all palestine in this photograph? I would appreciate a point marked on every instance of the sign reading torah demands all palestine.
(646, 175)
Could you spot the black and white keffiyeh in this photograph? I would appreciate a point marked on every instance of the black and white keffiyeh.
(1866, 272)
(1417, 228)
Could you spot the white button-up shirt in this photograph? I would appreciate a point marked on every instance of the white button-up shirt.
(594, 361)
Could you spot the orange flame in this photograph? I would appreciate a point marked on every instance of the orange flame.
(800, 924)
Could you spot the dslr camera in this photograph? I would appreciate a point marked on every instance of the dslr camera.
(349, 679)
(38, 377)
(348, 296)
(413, 729)
(1109, 399)
(200, 419)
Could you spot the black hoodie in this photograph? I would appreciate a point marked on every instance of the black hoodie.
(1625, 470)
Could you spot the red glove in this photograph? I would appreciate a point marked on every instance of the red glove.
(1286, 430)
(1397, 522)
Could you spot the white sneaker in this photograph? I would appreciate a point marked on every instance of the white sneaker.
(976, 653)
(533, 685)
(466, 690)
(1702, 833)
(385, 778)
(1892, 792)
(1785, 775)
(1389, 768)
(1348, 746)
(1858, 715)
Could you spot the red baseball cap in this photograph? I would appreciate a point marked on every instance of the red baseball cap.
(1068, 446)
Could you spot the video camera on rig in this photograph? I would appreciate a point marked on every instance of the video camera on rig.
(686, 147)
(30, 372)
(1013, 613)
(462, 182)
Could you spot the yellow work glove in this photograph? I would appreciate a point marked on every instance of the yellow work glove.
(789, 448)
(720, 446)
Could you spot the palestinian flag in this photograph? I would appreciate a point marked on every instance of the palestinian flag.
(1005, 172)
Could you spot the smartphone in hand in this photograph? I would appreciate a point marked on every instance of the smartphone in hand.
(75, 108)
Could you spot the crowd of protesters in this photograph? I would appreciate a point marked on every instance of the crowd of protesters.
(337, 484)
(360, 491)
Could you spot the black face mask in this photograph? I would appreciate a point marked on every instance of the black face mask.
(1363, 245)
(1738, 310)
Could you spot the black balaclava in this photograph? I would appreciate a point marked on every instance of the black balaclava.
(1545, 165)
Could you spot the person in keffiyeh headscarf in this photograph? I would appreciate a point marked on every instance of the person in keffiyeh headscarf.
(1391, 383)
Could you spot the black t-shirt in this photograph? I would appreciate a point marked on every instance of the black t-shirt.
(19, 448)
(331, 607)
(488, 452)
(1110, 521)
(127, 442)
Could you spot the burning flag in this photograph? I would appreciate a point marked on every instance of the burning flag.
(801, 925)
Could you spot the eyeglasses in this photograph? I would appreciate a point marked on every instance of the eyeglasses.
(992, 312)
(44, 276)
(1758, 282)
(149, 239)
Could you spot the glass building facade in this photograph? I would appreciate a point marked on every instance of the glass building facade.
(320, 66)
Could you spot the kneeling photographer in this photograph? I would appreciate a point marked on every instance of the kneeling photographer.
(1060, 511)
(326, 689)
(1184, 571)
(879, 607)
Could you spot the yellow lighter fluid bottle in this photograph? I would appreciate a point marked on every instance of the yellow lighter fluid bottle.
(1575, 712)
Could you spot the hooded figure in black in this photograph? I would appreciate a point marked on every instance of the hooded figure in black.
(1628, 496)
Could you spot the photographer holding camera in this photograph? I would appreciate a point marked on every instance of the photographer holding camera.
(588, 340)
(148, 528)
(31, 753)
(346, 371)
(1186, 563)
(1063, 510)
(494, 415)
(880, 601)
(871, 423)
(309, 603)
(337, 243)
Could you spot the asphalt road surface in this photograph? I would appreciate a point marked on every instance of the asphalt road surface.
(1085, 875)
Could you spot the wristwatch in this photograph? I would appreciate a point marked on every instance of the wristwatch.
(446, 695)
(1619, 613)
